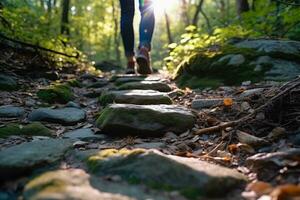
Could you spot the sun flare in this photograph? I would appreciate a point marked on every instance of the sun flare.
(160, 6)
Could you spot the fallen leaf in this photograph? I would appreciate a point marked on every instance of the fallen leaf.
(276, 133)
(228, 102)
(260, 187)
(287, 191)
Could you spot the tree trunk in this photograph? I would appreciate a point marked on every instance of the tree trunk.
(115, 15)
(65, 17)
(184, 13)
(197, 12)
(170, 38)
(242, 6)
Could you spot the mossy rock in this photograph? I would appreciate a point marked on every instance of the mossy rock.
(139, 97)
(58, 93)
(33, 129)
(161, 172)
(213, 69)
(74, 83)
(144, 120)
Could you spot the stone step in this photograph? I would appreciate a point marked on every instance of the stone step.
(140, 97)
(144, 120)
(146, 85)
(191, 177)
(24, 158)
(122, 80)
(65, 116)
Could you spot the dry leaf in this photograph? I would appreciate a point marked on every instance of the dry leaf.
(260, 188)
(228, 102)
(285, 192)
(276, 133)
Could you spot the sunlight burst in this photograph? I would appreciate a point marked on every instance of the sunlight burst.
(160, 6)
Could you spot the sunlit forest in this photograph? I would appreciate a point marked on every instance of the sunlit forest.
(95, 105)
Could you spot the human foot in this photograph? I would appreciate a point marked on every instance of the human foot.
(143, 60)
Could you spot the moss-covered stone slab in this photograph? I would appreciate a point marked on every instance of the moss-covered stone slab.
(24, 158)
(7, 83)
(58, 93)
(11, 111)
(33, 129)
(122, 80)
(144, 120)
(192, 177)
(65, 184)
(65, 116)
(146, 85)
(132, 76)
(140, 97)
(76, 184)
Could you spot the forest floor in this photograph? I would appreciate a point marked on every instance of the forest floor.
(233, 142)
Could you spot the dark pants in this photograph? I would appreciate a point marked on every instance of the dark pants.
(146, 24)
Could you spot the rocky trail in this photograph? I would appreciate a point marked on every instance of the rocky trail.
(139, 137)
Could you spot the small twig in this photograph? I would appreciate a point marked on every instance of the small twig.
(243, 119)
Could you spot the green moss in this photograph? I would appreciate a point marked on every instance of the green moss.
(106, 98)
(33, 129)
(74, 83)
(206, 70)
(58, 93)
(96, 160)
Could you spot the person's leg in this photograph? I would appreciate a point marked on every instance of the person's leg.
(127, 32)
(147, 23)
(146, 32)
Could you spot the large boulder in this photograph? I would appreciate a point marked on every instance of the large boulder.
(140, 97)
(144, 120)
(66, 116)
(232, 64)
(24, 158)
(191, 177)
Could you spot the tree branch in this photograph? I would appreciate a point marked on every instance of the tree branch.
(38, 47)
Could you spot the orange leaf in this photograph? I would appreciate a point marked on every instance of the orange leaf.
(285, 192)
(260, 188)
(228, 102)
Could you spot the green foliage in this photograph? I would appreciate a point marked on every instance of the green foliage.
(57, 93)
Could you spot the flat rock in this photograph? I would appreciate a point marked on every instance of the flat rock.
(140, 97)
(144, 120)
(205, 103)
(251, 92)
(146, 85)
(11, 111)
(191, 177)
(21, 159)
(132, 76)
(98, 84)
(150, 145)
(67, 116)
(66, 184)
(7, 83)
(233, 59)
(122, 80)
(82, 134)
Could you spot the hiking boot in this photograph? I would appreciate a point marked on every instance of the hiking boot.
(130, 68)
(143, 60)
